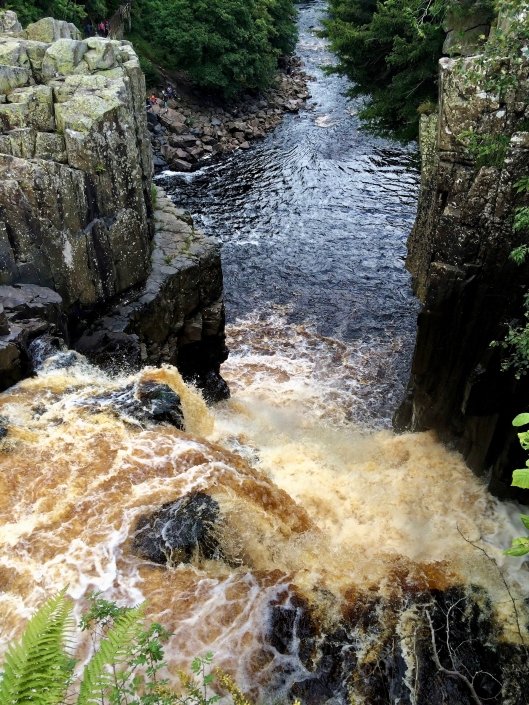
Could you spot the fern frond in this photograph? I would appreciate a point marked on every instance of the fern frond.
(113, 651)
(36, 668)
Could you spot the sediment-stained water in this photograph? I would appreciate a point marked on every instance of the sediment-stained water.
(351, 562)
(317, 517)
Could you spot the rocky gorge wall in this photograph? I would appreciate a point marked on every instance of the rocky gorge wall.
(91, 254)
(459, 257)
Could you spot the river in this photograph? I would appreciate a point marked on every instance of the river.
(351, 565)
(313, 222)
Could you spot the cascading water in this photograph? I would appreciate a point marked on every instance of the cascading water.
(352, 565)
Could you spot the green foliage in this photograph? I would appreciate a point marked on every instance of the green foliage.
(519, 254)
(125, 667)
(520, 478)
(516, 342)
(226, 46)
(522, 185)
(390, 50)
(69, 10)
(37, 669)
(521, 219)
(427, 108)
(495, 71)
(485, 149)
(154, 195)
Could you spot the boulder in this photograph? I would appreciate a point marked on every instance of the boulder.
(179, 531)
(143, 402)
(50, 30)
(9, 23)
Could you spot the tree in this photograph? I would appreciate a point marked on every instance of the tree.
(228, 46)
(390, 50)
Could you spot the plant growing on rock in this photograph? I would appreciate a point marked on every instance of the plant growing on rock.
(486, 149)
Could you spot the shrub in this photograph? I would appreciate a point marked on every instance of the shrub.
(486, 149)
(125, 667)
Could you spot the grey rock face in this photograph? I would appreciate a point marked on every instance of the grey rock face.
(467, 24)
(75, 166)
(459, 256)
(177, 316)
(76, 210)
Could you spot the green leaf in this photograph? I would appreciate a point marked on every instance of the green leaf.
(520, 478)
(113, 651)
(524, 439)
(524, 518)
(521, 419)
(37, 669)
(519, 547)
(516, 551)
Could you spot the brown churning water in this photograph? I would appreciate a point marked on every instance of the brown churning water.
(313, 506)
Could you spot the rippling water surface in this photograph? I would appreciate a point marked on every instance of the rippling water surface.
(315, 217)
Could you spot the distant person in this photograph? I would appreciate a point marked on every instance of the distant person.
(153, 100)
(89, 29)
(107, 28)
(164, 99)
(101, 28)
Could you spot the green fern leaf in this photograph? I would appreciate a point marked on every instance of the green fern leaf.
(113, 651)
(36, 669)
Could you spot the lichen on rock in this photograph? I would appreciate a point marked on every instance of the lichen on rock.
(76, 212)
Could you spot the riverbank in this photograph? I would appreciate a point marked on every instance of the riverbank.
(190, 129)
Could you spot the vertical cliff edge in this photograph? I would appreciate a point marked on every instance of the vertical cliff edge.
(459, 257)
(92, 255)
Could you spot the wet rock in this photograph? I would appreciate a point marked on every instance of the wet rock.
(29, 312)
(44, 347)
(459, 257)
(179, 530)
(456, 628)
(159, 162)
(4, 325)
(109, 349)
(180, 165)
(145, 401)
(182, 140)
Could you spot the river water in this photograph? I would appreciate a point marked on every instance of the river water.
(353, 564)
(313, 222)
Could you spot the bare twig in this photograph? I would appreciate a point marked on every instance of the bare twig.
(447, 671)
(491, 559)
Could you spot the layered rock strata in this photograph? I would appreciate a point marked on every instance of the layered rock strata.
(77, 215)
(459, 256)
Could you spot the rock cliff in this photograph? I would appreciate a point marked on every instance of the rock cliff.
(458, 254)
(84, 235)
